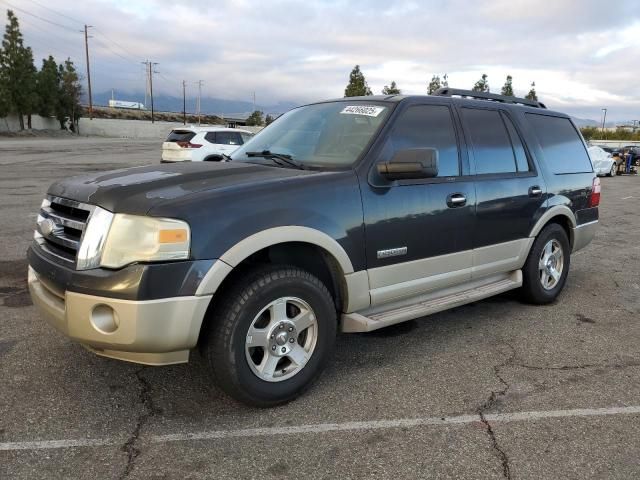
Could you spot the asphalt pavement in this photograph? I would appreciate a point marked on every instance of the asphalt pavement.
(495, 389)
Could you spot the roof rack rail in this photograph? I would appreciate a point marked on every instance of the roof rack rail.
(450, 92)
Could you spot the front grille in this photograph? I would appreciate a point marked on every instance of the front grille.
(60, 226)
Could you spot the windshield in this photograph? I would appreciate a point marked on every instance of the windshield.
(325, 135)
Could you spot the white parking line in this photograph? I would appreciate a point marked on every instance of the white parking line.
(627, 198)
(329, 427)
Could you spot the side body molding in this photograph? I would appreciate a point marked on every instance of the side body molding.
(356, 283)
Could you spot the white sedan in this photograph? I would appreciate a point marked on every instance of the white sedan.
(196, 144)
(603, 162)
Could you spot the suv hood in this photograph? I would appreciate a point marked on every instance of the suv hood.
(136, 190)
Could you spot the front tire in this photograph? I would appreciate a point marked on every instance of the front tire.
(272, 336)
(612, 172)
(547, 266)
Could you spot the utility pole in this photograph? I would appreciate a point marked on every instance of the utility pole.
(86, 49)
(604, 119)
(150, 73)
(184, 102)
(200, 82)
(146, 85)
(254, 101)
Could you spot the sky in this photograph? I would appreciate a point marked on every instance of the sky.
(583, 55)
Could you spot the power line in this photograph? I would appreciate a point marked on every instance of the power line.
(114, 52)
(57, 13)
(68, 46)
(99, 31)
(38, 17)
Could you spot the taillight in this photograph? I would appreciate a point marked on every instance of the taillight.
(594, 198)
(188, 145)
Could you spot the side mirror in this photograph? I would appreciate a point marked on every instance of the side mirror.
(411, 163)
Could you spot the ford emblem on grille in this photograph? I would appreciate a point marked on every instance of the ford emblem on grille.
(47, 226)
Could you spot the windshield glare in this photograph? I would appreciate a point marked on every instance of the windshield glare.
(323, 135)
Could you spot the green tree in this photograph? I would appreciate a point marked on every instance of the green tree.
(445, 81)
(268, 119)
(481, 85)
(434, 84)
(48, 88)
(357, 86)
(255, 119)
(590, 133)
(69, 92)
(17, 72)
(4, 100)
(507, 88)
(391, 89)
(532, 95)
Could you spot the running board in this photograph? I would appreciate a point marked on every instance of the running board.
(356, 322)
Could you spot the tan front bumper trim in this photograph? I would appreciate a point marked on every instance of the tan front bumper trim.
(153, 332)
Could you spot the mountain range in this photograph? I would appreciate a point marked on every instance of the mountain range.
(209, 105)
(226, 107)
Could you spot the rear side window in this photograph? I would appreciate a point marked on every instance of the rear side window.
(490, 141)
(224, 138)
(180, 136)
(428, 126)
(518, 148)
(563, 149)
(245, 137)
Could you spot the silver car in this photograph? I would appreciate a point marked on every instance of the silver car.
(603, 162)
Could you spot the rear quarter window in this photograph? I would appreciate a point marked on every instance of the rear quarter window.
(561, 144)
(228, 138)
(180, 136)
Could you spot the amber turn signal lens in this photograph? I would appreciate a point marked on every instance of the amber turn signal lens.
(172, 236)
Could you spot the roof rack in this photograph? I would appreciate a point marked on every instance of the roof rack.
(450, 92)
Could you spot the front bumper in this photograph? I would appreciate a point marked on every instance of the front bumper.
(157, 331)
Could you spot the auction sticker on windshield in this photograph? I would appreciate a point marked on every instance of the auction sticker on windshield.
(368, 110)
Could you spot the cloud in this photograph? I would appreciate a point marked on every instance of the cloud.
(581, 56)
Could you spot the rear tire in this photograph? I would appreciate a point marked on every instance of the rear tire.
(547, 266)
(272, 335)
(612, 172)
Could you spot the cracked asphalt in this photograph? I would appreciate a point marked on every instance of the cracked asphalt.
(419, 400)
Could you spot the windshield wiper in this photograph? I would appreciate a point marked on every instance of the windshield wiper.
(278, 158)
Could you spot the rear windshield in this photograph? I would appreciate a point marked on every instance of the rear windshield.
(180, 136)
(561, 144)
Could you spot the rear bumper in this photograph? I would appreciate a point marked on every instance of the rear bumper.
(153, 332)
(583, 234)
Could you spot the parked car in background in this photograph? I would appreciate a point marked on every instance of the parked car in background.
(196, 144)
(635, 153)
(603, 162)
(610, 150)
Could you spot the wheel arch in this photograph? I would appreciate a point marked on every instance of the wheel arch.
(299, 246)
(560, 214)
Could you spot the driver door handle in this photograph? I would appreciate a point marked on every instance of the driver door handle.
(535, 191)
(456, 200)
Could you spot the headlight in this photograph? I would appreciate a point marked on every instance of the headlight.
(94, 238)
(132, 238)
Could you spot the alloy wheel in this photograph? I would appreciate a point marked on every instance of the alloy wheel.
(281, 339)
(551, 264)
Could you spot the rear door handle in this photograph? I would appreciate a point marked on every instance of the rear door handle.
(456, 200)
(535, 191)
